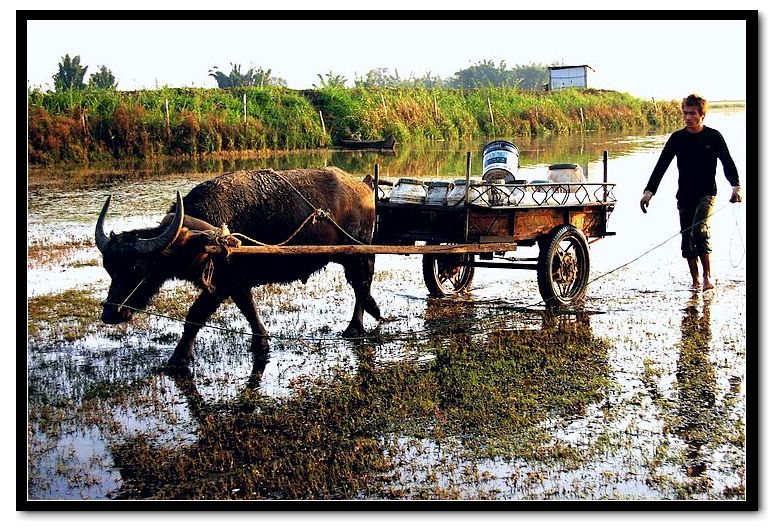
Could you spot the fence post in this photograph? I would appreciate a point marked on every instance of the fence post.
(244, 108)
(322, 122)
(384, 105)
(491, 116)
(166, 115)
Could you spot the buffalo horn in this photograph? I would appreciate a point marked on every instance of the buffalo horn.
(165, 239)
(100, 237)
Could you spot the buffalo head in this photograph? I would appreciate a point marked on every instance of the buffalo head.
(133, 261)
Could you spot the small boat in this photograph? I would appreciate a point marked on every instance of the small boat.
(366, 144)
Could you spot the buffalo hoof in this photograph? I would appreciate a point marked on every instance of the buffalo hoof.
(182, 357)
(177, 365)
(260, 346)
(354, 331)
(175, 370)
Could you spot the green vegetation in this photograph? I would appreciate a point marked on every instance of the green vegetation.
(252, 78)
(70, 75)
(103, 124)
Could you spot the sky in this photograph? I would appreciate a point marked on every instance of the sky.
(646, 58)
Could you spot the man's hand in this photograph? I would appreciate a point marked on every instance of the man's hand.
(645, 201)
(736, 194)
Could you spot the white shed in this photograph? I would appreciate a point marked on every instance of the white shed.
(568, 76)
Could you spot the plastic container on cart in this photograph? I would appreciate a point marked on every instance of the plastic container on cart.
(566, 173)
(410, 191)
(517, 195)
(537, 191)
(497, 192)
(385, 189)
(477, 196)
(438, 191)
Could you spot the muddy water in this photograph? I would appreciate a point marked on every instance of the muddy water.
(661, 415)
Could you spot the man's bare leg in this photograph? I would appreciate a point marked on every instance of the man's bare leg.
(693, 266)
(705, 265)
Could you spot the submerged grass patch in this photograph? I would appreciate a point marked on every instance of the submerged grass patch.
(66, 316)
(334, 436)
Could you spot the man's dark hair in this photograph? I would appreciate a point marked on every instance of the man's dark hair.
(694, 100)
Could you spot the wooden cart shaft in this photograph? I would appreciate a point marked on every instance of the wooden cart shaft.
(294, 250)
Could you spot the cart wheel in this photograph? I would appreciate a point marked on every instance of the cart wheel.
(447, 274)
(563, 266)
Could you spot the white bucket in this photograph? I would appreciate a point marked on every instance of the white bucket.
(501, 161)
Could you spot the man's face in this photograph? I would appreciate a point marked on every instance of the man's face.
(693, 118)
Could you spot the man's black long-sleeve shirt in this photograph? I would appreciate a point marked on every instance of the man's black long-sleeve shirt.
(697, 156)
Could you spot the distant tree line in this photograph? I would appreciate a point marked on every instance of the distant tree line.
(484, 74)
(71, 74)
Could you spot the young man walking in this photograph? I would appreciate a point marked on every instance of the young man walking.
(697, 148)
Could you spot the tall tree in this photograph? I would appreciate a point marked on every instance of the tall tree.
(331, 80)
(484, 74)
(533, 76)
(252, 78)
(70, 75)
(380, 77)
(104, 79)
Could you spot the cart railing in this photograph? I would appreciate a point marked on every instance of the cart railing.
(533, 195)
(539, 194)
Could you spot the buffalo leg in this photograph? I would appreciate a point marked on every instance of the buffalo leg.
(201, 310)
(246, 304)
(359, 272)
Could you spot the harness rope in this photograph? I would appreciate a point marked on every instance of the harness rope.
(741, 241)
(410, 335)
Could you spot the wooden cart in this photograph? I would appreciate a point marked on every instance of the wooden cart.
(489, 222)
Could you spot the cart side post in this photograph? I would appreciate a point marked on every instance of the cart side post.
(604, 175)
(376, 196)
(467, 194)
(376, 183)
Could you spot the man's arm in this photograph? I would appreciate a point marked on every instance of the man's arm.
(667, 154)
(729, 167)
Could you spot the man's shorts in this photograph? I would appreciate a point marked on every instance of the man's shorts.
(694, 226)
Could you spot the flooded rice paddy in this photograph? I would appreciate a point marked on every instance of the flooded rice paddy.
(641, 395)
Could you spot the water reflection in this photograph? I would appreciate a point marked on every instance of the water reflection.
(419, 158)
(318, 443)
(696, 381)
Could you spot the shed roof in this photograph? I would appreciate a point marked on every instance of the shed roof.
(567, 66)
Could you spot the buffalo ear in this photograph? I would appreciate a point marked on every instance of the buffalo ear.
(369, 180)
(190, 237)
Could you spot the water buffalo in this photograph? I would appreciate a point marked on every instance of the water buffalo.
(264, 205)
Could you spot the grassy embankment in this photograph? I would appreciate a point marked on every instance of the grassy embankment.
(94, 125)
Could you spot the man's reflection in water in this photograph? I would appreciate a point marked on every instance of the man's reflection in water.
(696, 384)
